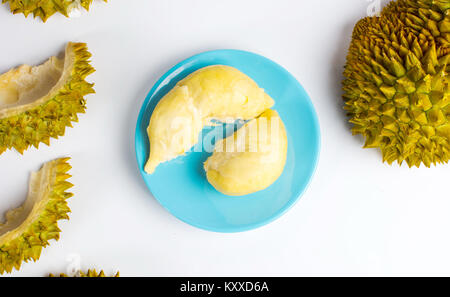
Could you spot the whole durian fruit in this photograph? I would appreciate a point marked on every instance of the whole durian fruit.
(29, 228)
(89, 273)
(46, 8)
(396, 83)
(39, 102)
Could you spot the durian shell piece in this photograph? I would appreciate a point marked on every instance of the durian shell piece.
(29, 228)
(89, 273)
(396, 85)
(45, 117)
(46, 8)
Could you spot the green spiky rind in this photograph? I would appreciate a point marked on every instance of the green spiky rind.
(396, 85)
(44, 8)
(29, 244)
(50, 119)
(89, 273)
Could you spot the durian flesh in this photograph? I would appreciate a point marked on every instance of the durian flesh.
(46, 8)
(37, 103)
(215, 92)
(29, 227)
(251, 159)
(397, 90)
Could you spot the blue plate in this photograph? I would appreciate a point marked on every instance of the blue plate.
(181, 186)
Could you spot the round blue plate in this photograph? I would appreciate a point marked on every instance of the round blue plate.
(181, 186)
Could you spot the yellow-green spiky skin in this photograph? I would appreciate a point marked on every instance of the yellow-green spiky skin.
(50, 120)
(44, 8)
(396, 85)
(27, 244)
(89, 273)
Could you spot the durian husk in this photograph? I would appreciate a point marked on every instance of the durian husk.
(29, 228)
(89, 273)
(25, 124)
(396, 85)
(46, 8)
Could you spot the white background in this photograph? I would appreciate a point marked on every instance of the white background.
(359, 216)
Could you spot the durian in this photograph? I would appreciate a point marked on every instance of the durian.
(46, 8)
(37, 103)
(396, 85)
(216, 92)
(251, 159)
(29, 228)
(89, 273)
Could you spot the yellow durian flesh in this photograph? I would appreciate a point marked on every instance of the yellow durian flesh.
(28, 228)
(216, 92)
(251, 159)
(38, 103)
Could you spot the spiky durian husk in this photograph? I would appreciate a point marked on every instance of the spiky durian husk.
(89, 273)
(50, 119)
(26, 241)
(397, 89)
(45, 8)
